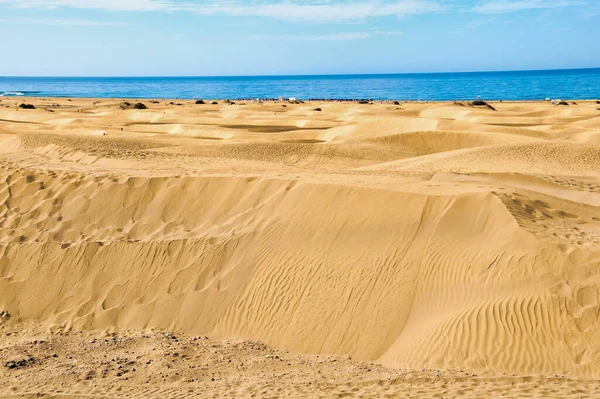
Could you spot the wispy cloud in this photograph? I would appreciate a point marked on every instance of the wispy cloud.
(506, 6)
(313, 11)
(109, 5)
(388, 33)
(476, 24)
(300, 10)
(60, 22)
(333, 37)
(330, 12)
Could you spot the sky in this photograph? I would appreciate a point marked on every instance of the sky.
(279, 37)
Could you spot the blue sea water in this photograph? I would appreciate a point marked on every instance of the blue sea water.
(517, 85)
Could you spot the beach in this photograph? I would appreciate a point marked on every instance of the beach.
(299, 249)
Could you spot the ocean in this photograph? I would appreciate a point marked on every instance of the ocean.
(517, 85)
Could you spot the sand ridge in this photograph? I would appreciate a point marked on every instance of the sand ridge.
(431, 236)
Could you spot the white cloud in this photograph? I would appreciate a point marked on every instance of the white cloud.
(60, 22)
(297, 10)
(109, 5)
(505, 6)
(313, 11)
(334, 37)
(330, 12)
(388, 33)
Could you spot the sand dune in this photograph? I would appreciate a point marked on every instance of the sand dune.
(421, 237)
(539, 158)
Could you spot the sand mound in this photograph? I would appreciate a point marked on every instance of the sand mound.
(542, 158)
(440, 141)
(176, 257)
(380, 127)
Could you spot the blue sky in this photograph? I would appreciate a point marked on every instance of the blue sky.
(272, 37)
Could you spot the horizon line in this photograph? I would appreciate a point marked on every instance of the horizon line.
(300, 75)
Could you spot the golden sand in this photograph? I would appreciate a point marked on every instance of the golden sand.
(447, 249)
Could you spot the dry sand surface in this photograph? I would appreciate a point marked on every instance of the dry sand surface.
(273, 250)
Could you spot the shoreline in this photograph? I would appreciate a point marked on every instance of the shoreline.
(286, 101)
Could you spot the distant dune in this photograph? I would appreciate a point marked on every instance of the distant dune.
(432, 237)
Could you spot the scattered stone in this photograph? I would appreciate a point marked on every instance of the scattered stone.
(20, 364)
(318, 109)
(214, 103)
(563, 103)
(140, 106)
(27, 106)
(482, 103)
(200, 102)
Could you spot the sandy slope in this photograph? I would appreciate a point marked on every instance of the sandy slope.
(422, 236)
